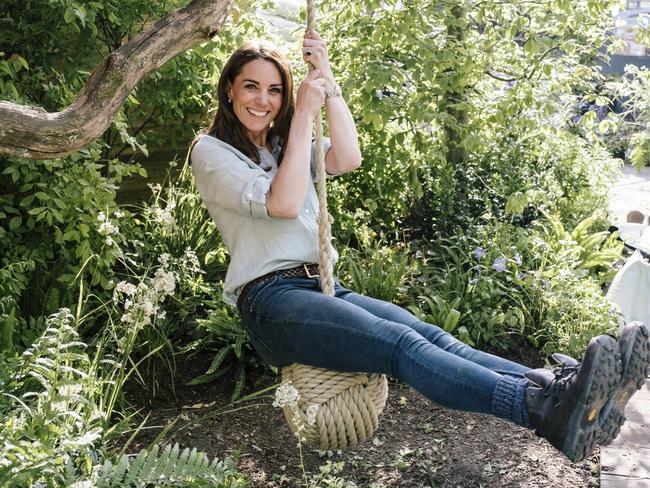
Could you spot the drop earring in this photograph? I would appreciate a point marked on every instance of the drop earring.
(229, 100)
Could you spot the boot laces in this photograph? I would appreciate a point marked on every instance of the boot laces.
(563, 377)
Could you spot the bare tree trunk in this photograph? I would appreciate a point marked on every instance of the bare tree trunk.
(31, 132)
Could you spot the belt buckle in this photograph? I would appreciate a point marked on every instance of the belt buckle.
(309, 275)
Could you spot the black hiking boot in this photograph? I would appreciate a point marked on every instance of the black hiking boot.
(634, 348)
(565, 411)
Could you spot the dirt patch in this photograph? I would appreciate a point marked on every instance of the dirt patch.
(418, 444)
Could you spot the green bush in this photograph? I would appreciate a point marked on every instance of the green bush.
(56, 413)
(543, 282)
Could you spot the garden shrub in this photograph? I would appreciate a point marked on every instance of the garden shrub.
(48, 217)
(55, 429)
(543, 282)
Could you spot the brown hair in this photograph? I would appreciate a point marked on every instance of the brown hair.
(226, 126)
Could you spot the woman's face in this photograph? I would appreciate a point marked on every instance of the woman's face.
(256, 95)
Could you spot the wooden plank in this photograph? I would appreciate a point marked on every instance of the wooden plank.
(608, 480)
(633, 434)
(631, 462)
(638, 411)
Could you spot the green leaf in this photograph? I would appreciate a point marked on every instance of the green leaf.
(516, 203)
(15, 223)
(69, 15)
(23, 62)
(27, 201)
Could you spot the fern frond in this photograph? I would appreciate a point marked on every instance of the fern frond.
(170, 468)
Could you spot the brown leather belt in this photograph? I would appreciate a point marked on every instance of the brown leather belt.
(307, 270)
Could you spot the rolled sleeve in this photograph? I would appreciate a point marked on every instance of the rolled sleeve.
(226, 181)
(255, 199)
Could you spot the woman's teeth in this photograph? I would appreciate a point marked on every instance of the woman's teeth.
(256, 113)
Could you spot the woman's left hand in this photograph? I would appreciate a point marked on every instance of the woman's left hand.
(314, 51)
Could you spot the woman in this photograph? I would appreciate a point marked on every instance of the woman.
(254, 170)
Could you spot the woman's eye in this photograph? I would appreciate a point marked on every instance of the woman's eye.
(250, 87)
(276, 90)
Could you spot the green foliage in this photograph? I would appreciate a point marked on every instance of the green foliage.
(632, 90)
(572, 269)
(581, 251)
(543, 282)
(49, 217)
(448, 97)
(476, 292)
(171, 467)
(50, 428)
(222, 333)
(55, 401)
(375, 269)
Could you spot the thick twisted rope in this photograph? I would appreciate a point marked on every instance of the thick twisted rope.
(326, 267)
(349, 404)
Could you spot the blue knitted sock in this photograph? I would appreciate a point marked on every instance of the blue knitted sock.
(508, 400)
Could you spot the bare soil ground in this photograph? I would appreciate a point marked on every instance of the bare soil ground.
(418, 443)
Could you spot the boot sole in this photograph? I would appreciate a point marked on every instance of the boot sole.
(634, 347)
(584, 428)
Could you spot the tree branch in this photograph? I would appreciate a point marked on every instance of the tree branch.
(31, 132)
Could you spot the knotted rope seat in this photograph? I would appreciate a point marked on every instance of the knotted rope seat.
(349, 404)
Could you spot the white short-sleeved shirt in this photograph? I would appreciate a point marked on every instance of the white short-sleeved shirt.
(234, 189)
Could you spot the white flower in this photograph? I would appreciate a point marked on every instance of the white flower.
(163, 259)
(164, 283)
(109, 241)
(83, 484)
(285, 395)
(311, 413)
(69, 390)
(118, 214)
(126, 288)
(101, 217)
(191, 261)
(59, 406)
(107, 229)
(145, 299)
(165, 217)
(97, 415)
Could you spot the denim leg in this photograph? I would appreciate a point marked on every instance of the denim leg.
(291, 321)
(432, 333)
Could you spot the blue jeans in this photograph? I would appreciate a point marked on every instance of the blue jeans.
(289, 320)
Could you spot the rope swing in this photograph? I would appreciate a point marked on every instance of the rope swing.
(349, 404)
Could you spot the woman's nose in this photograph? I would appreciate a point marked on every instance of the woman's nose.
(262, 97)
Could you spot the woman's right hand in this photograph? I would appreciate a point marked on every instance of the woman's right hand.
(311, 93)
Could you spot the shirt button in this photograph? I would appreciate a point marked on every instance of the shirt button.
(307, 210)
(249, 196)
